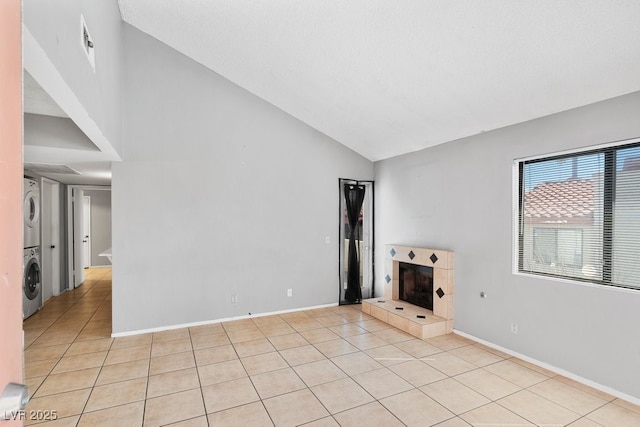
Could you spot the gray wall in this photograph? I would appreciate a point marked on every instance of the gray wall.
(219, 193)
(58, 132)
(56, 27)
(100, 225)
(458, 196)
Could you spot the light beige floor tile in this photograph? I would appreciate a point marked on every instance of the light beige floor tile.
(275, 383)
(537, 409)
(81, 361)
(250, 415)
(417, 373)
(71, 421)
(517, 374)
(263, 363)
(453, 422)
(475, 355)
(389, 355)
(202, 330)
(533, 367)
(494, 415)
(235, 325)
(628, 405)
(335, 348)
(323, 422)
(40, 368)
(130, 414)
(488, 384)
(454, 396)
(382, 383)
(301, 355)
(569, 397)
(340, 395)
(171, 382)
(414, 408)
(612, 415)
(44, 353)
(305, 325)
(211, 340)
(65, 404)
(92, 346)
(192, 422)
(584, 422)
(295, 408)
(221, 396)
(315, 336)
(123, 371)
(347, 330)
(320, 372)
(253, 347)
(331, 320)
(221, 372)
(374, 414)
(366, 341)
(54, 338)
(171, 335)
(173, 408)
(207, 356)
(68, 381)
(393, 335)
(417, 348)
(356, 363)
(449, 341)
(116, 394)
(33, 384)
(162, 348)
(373, 325)
(283, 342)
(448, 364)
(127, 354)
(277, 329)
(132, 341)
(171, 362)
(240, 335)
(602, 395)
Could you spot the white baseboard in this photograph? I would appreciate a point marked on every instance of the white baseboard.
(212, 322)
(559, 371)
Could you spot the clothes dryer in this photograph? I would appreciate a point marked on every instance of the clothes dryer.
(31, 213)
(32, 286)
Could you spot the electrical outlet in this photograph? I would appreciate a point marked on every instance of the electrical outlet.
(514, 327)
(289, 292)
(327, 239)
(234, 298)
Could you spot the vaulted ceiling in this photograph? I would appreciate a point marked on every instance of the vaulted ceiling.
(390, 77)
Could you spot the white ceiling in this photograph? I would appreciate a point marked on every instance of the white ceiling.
(390, 77)
(37, 100)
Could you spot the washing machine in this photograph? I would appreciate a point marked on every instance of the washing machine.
(32, 286)
(31, 213)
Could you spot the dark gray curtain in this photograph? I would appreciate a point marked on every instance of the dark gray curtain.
(354, 196)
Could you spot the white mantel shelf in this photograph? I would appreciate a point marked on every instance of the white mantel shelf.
(403, 315)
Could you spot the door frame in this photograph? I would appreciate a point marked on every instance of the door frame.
(70, 229)
(341, 254)
(48, 224)
(86, 223)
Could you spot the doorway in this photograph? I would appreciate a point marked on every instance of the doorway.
(86, 231)
(356, 241)
(50, 250)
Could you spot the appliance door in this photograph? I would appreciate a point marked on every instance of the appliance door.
(31, 209)
(32, 279)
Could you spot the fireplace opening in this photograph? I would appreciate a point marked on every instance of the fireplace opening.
(416, 285)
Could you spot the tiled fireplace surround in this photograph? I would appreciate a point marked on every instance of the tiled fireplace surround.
(403, 315)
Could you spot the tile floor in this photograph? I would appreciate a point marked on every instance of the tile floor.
(326, 367)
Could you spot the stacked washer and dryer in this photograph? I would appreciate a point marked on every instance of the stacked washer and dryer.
(32, 297)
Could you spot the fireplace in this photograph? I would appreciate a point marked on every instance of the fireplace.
(415, 284)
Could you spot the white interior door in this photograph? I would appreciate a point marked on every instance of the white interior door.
(50, 252)
(78, 235)
(86, 230)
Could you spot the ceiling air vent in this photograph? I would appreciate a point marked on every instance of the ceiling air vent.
(44, 168)
(87, 43)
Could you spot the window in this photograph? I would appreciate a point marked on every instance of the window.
(579, 216)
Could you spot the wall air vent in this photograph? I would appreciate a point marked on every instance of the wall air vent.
(45, 168)
(87, 43)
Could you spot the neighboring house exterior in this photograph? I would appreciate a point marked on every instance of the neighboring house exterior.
(563, 227)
